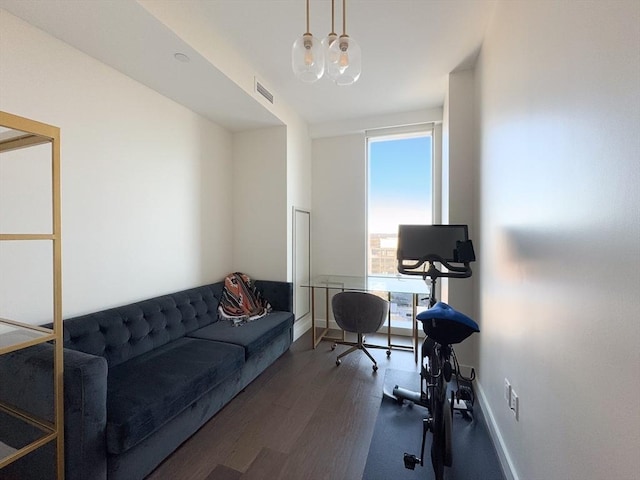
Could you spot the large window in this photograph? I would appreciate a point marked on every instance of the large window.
(399, 192)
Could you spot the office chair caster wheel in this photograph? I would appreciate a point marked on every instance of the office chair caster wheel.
(375, 368)
(388, 353)
(338, 362)
(333, 347)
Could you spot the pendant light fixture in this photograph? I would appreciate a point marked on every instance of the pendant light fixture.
(307, 56)
(344, 60)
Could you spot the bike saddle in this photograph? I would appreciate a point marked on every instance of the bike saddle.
(446, 325)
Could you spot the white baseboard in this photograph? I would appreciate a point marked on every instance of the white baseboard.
(498, 441)
(301, 327)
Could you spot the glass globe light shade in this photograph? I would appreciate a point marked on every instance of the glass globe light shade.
(344, 63)
(329, 56)
(307, 58)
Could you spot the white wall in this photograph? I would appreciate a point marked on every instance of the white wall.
(296, 176)
(339, 205)
(339, 192)
(258, 200)
(145, 182)
(299, 188)
(299, 184)
(459, 173)
(560, 121)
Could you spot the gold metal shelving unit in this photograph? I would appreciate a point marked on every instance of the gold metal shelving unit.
(18, 133)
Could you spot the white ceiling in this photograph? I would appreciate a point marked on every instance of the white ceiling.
(408, 48)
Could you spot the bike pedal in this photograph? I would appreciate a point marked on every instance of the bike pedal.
(410, 461)
(465, 393)
(460, 406)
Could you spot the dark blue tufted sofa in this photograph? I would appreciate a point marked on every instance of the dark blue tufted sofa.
(140, 379)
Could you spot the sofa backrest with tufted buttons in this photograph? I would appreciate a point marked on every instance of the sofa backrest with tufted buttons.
(121, 333)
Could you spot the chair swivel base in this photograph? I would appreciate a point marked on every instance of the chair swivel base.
(359, 345)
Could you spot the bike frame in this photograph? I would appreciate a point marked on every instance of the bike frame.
(436, 374)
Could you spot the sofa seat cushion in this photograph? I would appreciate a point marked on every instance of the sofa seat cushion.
(149, 390)
(252, 336)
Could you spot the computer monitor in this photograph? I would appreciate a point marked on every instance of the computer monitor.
(415, 242)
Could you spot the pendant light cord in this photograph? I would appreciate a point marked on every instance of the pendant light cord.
(333, 14)
(344, 17)
(308, 17)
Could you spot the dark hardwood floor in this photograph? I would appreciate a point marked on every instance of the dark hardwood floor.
(303, 418)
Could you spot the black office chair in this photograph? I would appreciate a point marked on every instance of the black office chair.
(360, 313)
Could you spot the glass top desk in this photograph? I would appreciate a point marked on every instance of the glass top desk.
(388, 285)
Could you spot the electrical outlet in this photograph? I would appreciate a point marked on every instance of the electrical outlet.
(514, 404)
(507, 391)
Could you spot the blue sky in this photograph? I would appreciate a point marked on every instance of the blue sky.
(399, 183)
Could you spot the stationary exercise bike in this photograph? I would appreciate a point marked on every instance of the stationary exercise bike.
(437, 251)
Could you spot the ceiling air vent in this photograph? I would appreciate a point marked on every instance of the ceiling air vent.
(264, 92)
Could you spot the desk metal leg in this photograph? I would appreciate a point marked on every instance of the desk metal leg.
(313, 318)
(318, 337)
(389, 322)
(414, 327)
(401, 347)
(326, 311)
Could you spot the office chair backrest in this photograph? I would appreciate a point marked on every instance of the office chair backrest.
(359, 312)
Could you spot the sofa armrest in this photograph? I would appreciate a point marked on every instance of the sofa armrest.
(85, 415)
(27, 382)
(278, 294)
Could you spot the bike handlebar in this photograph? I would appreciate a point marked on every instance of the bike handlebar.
(454, 271)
